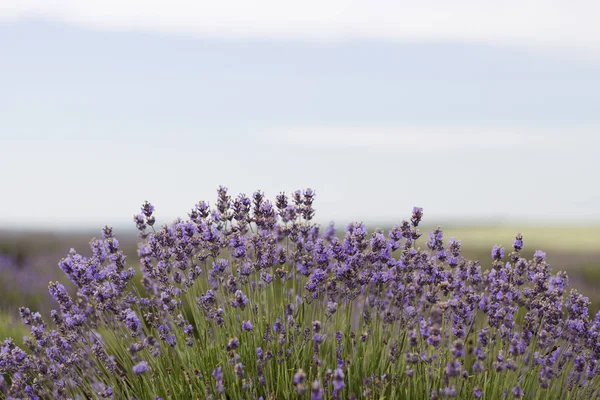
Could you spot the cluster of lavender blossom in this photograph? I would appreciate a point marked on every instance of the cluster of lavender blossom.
(250, 299)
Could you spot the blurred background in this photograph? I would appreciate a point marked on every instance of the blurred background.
(486, 114)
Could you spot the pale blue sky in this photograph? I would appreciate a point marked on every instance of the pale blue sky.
(96, 118)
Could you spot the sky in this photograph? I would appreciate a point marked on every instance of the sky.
(479, 111)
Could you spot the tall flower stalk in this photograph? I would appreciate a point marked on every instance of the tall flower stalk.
(250, 299)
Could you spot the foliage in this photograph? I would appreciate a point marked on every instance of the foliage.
(250, 299)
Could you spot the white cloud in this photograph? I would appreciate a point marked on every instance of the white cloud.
(525, 22)
(434, 138)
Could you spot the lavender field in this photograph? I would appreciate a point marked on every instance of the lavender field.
(410, 210)
(246, 297)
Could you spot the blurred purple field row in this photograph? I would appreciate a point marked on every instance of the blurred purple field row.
(29, 260)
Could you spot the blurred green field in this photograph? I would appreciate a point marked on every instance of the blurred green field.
(33, 259)
(11, 326)
(552, 239)
(575, 249)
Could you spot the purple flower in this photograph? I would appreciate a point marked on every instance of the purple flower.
(299, 377)
(316, 279)
(233, 344)
(217, 374)
(497, 253)
(457, 349)
(318, 338)
(132, 321)
(302, 269)
(238, 244)
(316, 326)
(417, 214)
(539, 256)
(453, 368)
(240, 300)
(517, 392)
(220, 265)
(431, 310)
(266, 277)
(277, 325)
(247, 326)
(239, 370)
(171, 341)
(449, 391)
(147, 209)
(141, 368)
(139, 221)
(518, 243)
(338, 380)
(307, 210)
(330, 232)
(316, 392)
(59, 293)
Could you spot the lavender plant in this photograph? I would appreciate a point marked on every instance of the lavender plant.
(249, 299)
